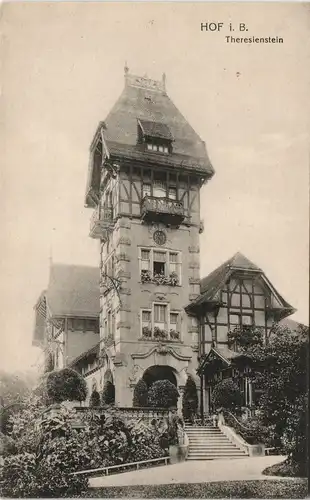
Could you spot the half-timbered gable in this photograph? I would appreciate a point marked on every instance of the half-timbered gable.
(67, 314)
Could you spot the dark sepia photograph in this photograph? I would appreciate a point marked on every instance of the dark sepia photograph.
(154, 254)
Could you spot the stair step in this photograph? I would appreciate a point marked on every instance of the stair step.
(215, 457)
(208, 446)
(215, 452)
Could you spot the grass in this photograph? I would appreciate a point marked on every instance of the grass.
(285, 488)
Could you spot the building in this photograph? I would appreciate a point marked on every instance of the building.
(67, 314)
(146, 168)
(236, 294)
(157, 319)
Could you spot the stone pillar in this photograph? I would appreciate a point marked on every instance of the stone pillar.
(180, 400)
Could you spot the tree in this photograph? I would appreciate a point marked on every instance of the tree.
(190, 398)
(283, 366)
(12, 388)
(140, 394)
(108, 393)
(163, 394)
(65, 385)
(94, 400)
(226, 394)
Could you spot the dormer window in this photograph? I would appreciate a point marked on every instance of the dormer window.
(157, 147)
(155, 136)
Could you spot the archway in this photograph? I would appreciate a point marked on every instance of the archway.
(159, 372)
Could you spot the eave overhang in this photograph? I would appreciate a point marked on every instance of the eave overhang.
(216, 356)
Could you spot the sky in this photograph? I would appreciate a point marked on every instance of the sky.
(62, 70)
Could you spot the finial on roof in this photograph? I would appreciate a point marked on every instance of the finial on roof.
(126, 69)
(164, 81)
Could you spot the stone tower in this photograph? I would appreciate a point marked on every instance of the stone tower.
(147, 166)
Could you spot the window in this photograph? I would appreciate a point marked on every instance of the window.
(241, 319)
(109, 332)
(145, 260)
(146, 190)
(161, 148)
(174, 318)
(160, 313)
(160, 263)
(160, 323)
(172, 193)
(160, 189)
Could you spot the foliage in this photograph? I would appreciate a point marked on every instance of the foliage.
(12, 388)
(94, 400)
(145, 443)
(61, 441)
(283, 376)
(163, 394)
(190, 399)
(242, 338)
(226, 394)
(24, 428)
(108, 393)
(288, 468)
(175, 430)
(160, 333)
(7, 445)
(146, 332)
(159, 279)
(65, 385)
(140, 393)
(174, 334)
(18, 478)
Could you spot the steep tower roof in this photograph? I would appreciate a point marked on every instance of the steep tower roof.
(145, 105)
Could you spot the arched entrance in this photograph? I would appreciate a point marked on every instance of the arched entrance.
(159, 372)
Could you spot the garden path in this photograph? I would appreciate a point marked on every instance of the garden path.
(203, 471)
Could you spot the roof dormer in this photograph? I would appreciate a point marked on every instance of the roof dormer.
(155, 136)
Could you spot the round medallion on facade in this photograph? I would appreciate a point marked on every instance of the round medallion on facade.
(159, 237)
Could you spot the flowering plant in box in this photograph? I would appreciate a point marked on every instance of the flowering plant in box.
(146, 332)
(174, 334)
(160, 334)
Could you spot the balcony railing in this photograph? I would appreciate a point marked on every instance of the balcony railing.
(101, 221)
(162, 209)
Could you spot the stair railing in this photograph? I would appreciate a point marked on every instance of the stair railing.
(245, 432)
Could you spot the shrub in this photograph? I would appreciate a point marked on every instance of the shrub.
(65, 385)
(146, 443)
(140, 394)
(108, 393)
(163, 394)
(18, 477)
(190, 399)
(94, 399)
(7, 445)
(226, 394)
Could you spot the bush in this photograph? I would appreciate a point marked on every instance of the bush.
(226, 394)
(108, 394)
(140, 394)
(190, 399)
(163, 394)
(65, 385)
(94, 399)
(18, 477)
(146, 443)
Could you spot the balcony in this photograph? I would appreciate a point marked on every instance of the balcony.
(101, 222)
(162, 210)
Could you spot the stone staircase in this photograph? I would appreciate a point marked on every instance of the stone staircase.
(210, 443)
